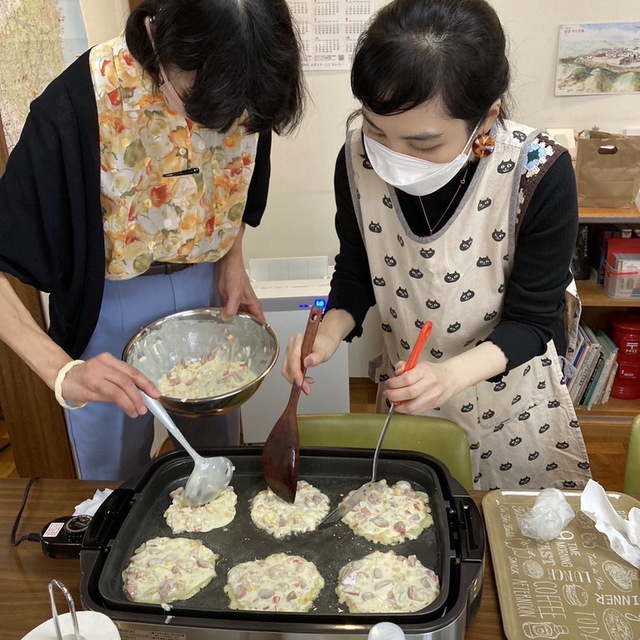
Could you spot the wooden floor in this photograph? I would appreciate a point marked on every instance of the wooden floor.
(607, 458)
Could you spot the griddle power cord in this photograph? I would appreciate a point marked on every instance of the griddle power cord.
(30, 537)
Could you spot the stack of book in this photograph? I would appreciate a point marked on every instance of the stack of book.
(595, 364)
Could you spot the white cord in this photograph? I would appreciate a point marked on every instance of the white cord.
(57, 385)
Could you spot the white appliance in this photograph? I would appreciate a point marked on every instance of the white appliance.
(287, 287)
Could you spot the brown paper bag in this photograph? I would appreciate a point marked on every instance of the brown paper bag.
(607, 168)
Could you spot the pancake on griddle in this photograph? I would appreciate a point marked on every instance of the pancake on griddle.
(212, 515)
(281, 518)
(280, 582)
(390, 514)
(163, 570)
(386, 583)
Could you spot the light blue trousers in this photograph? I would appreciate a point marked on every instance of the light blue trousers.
(107, 444)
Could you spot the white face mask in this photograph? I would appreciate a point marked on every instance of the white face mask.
(171, 96)
(414, 176)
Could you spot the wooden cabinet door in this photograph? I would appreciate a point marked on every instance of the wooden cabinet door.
(35, 421)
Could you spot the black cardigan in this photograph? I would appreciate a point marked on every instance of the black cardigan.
(51, 234)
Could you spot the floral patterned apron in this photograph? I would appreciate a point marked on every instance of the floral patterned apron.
(171, 190)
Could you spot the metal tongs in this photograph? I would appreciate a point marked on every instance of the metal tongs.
(361, 494)
(72, 612)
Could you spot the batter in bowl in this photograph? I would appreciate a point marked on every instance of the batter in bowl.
(211, 375)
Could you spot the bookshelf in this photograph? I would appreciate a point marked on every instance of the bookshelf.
(597, 309)
(590, 215)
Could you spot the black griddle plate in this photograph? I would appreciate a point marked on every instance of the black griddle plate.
(329, 549)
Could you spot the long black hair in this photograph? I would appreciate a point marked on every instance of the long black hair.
(417, 50)
(246, 55)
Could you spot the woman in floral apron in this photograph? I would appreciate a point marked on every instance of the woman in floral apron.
(448, 211)
(126, 199)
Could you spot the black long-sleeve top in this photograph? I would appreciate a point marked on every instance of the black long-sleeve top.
(534, 299)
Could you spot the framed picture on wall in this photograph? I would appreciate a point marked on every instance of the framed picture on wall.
(598, 58)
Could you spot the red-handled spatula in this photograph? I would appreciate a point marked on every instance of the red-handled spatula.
(281, 453)
(359, 494)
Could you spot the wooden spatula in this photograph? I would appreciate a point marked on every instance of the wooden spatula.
(281, 453)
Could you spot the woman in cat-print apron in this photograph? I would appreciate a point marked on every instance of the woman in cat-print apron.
(447, 211)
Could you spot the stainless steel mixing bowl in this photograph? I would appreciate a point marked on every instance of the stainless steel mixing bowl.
(192, 334)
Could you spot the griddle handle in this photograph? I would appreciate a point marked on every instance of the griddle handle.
(470, 527)
(108, 519)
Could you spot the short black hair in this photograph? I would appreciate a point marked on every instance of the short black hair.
(417, 50)
(246, 54)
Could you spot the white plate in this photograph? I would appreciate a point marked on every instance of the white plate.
(92, 625)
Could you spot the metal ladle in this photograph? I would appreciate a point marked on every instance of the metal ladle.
(210, 476)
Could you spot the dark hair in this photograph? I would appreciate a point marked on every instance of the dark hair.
(246, 54)
(417, 50)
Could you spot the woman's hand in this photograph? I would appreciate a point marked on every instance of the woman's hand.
(429, 385)
(426, 386)
(104, 378)
(234, 284)
(237, 292)
(100, 379)
(336, 325)
(323, 348)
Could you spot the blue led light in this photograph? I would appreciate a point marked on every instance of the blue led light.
(320, 303)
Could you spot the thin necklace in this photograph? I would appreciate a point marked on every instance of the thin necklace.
(441, 218)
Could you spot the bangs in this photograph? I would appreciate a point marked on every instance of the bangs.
(417, 51)
(387, 80)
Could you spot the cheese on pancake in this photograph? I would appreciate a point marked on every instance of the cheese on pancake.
(390, 514)
(281, 518)
(386, 583)
(211, 515)
(278, 583)
(168, 569)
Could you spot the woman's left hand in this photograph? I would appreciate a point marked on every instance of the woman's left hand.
(237, 292)
(429, 384)
(235, 286)
(426, 386)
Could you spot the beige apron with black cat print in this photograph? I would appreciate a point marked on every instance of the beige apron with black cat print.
(523, 431)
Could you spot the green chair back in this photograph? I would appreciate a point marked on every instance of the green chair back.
(440, 438)
(632, 470)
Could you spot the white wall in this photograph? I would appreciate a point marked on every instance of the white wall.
(103, 19)
(532, 28)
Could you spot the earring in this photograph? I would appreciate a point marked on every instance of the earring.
(484, 145)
